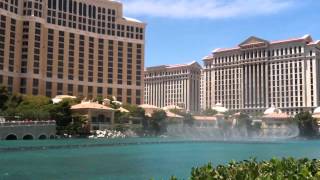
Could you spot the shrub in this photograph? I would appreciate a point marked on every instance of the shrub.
(307, 124)
(286, 168)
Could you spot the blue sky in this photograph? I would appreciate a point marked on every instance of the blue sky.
(180, 31)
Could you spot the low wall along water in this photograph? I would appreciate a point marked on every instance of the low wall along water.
(25, 130)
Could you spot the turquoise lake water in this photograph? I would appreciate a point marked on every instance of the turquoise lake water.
(135, 159)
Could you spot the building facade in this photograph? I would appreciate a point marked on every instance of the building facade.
(85, 48)
(202, 91)
(258, 74)
(177, 85)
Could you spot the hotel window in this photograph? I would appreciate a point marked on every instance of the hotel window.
(138, 93)
(12, 6)
(61, 55)
(50, 52)
(101, 20)
(71, 56)
(119, 94)
(129, 100)
(48, 89)
(23, 85)
(100, 60)
(80, 90)
(70, 89)
(139, 65)
(36, 57)
(129, 93)
(129, 64)
(2, 39)
(25, 40)
(37, 8)
(35, 86)
(111, 22)
(90, 91)
(10, 84)
(100, 91)
(70, 6)
(59, 89)
(27, 8)
(64, 5)
(138, 101)
(110, 92)
(120, 62)
(81, 58)
(110, 61)
(12, 45)
(91, 59)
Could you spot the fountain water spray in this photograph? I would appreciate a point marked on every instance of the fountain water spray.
(231, 133)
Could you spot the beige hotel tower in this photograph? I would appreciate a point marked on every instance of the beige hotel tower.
(258, 74)
(84, 48)
(173, 85)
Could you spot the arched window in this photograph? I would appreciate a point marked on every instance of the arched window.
(28, 137)
(42, 137)
(11, 137)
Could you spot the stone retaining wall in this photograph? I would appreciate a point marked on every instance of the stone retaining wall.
(29, 130)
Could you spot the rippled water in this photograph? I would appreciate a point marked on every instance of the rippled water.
(140, 158)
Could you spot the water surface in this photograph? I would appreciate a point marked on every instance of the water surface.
(126, 159)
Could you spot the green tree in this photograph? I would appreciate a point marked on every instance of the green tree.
(158, 122)
(113, 104)
(178, 111)
(32, 107)
(137, 113)
(99, 99)
(188, 119)
(10, 107)
(4, 96)
(286, 168)
(121, 117)
(244, 122)
(307, 124)
(209, 112)
(79, 125)
(257, 114)
(61, 113)
(134, 110)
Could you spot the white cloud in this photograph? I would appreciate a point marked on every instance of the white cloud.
(211, 9)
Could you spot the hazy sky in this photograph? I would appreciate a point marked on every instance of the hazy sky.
(180, 31)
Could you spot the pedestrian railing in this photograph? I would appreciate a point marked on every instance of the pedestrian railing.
(27, 123)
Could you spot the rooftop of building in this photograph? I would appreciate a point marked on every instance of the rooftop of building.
(132, 20)
(205, 118)
(119, 3)
(275, 113)
(252, 41)
(174, 66)
(91, 105)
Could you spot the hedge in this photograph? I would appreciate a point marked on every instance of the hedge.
(274, 169)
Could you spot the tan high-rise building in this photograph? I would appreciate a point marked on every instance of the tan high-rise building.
(202, 91)
(177, 85)
(85, 48)
(258, 74)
